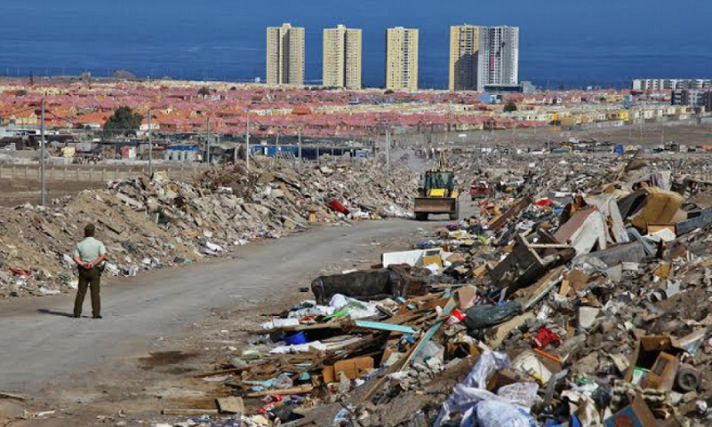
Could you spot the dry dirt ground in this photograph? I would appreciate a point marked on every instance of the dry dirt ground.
(13, 193)
(150, 373)
(17, 192)
(648, 134)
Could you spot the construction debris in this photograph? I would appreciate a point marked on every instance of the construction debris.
(154, 223)
(573, 298)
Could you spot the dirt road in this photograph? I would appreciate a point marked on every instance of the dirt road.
(39, 342)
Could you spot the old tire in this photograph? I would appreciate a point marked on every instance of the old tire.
(421, 217)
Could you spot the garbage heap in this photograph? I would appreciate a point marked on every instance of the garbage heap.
(155, 223)
(550, 306)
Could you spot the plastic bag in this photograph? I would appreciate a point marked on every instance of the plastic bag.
(283, 381)
(430, 350)
(473, 389)
(483, 316)
(489, 363)
(492, 413)
(523, 394)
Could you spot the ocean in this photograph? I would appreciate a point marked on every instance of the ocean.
(563, 43)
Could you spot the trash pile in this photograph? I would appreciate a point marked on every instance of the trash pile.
(578, 298)
(154, 223)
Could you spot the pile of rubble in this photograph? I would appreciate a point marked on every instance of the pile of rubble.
(575, 298)
(153, 223)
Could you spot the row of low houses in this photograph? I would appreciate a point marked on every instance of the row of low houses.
(178, 107)
(572, 117)
(360, 123)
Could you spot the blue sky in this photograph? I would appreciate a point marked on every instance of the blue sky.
(561, 41)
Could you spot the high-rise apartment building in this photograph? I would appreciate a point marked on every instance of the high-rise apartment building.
(498, 57)
(285, 55)
(342, 57)
(464, 49)
(402, 59)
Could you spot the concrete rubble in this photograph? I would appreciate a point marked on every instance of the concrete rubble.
(155, 223)
(576, 295)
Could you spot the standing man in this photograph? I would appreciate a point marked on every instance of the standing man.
(88, 255)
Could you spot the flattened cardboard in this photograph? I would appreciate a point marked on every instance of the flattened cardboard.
(466, 297)
(636, 414)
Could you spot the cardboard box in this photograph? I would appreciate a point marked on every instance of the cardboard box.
(671, 422)
(646, 356)
(433, 259)
(660, 207)
(652, 228)
(481, 271)
(662, 375)
(636, 414)
(466, 296)
(663, 270)
(328, 375)
(353, 368)
(507, 376)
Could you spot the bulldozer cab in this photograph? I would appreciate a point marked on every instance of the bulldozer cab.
(439, 183)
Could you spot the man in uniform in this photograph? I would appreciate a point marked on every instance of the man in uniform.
(89, 254)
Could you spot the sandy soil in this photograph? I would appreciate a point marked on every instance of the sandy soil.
(162, 342)
(17, 192)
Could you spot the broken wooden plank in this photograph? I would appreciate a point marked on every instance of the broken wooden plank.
(12, 396)
(513, 211)
(223, 372)
(189, 412)
(231, 405)
(496, 335)
(548, 246)
(365, 324)
(431, 332)
(548, 288)
(284, 392)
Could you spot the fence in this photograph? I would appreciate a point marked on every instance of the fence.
(91, 173)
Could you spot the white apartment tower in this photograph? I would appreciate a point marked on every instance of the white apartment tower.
(285, 55)
(498, 58)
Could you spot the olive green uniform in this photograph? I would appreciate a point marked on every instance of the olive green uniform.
(88, 250)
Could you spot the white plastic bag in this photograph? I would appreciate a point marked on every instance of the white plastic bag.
(489, 363)
(493, 413)
(474, 388)
(523, 394)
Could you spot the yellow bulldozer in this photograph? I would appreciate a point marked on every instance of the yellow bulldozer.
(438, 195)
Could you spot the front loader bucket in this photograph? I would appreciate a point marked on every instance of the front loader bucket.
(435, 205)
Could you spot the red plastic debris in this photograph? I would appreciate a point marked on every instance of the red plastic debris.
(337, 206)
(545, 337)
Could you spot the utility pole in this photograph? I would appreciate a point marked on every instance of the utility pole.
(388, 149)
(43, 194)
(299, 142)
(207, 142)
(247, 144)
(150, 146)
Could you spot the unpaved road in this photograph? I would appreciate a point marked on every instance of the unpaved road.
(40, 343)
